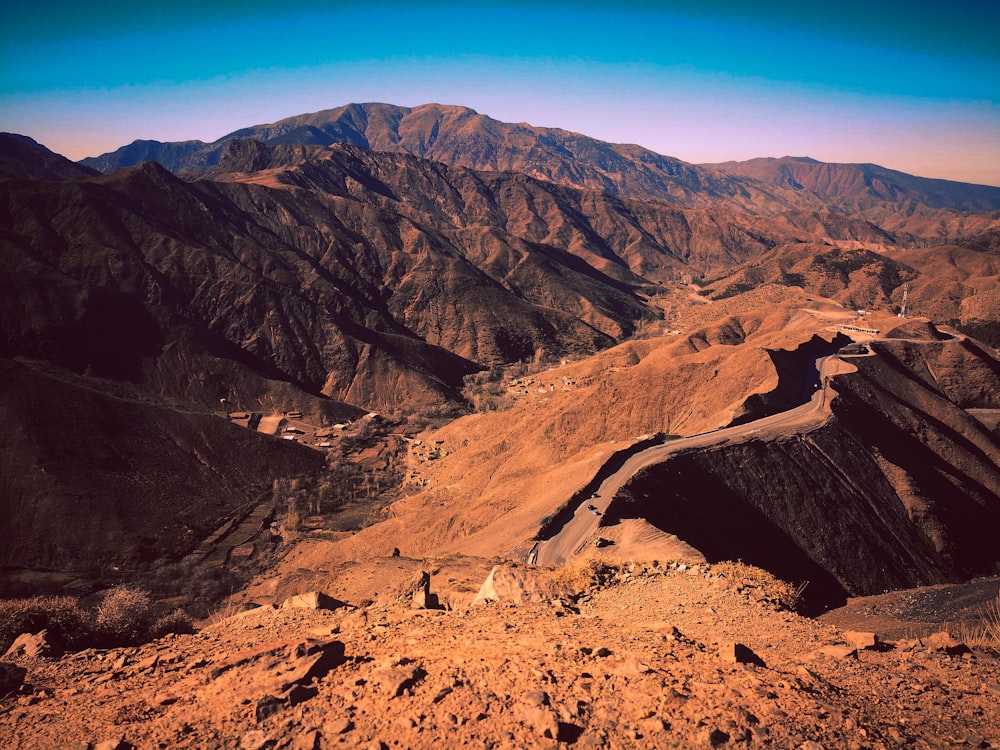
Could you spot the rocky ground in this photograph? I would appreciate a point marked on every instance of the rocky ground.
(665, 656)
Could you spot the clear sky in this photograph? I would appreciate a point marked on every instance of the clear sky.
(910, 85)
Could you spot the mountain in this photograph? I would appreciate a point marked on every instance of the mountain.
(848, 185)
(340, 270)
(98, 477)
(324, 279)
(21, 158)
(459, 136)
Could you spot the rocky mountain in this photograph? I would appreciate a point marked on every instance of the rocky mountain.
(852, 185)
(322, 278)
(372, 268)
(902, 471)
(22, 158)
(459, 136)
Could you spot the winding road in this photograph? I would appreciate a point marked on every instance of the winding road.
(580, 531)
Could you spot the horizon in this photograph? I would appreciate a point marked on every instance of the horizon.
(913, 88)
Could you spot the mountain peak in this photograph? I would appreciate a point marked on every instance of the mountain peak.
(23, 158)
(459, 136)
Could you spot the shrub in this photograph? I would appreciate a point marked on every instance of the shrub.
(766, 586)
(580, 574)
(67, 623)
(123, 617)
(177, 621)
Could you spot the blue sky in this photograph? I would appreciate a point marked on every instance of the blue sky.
(913, 86)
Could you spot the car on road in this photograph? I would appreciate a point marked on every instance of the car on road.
(591, 507)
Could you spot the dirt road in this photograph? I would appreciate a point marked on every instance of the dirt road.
(581, 530)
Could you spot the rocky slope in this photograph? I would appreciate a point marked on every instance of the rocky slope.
(667, 656)
(98, 478)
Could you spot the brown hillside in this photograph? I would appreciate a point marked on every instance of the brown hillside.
(96, 477)
(904, 483)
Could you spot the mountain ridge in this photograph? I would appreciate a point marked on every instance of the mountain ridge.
(459, 136)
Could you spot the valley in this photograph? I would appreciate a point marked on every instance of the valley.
(376, 351)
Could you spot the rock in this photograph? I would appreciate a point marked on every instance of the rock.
(811, 745)
(32, 646)
(312, 600)
(307, 741)
(11, 678)
(394, 680)
(837, 652)
(536, 698)
(342, 725)
(417, 593)
(313, 661)
(268, 706)
(652, 725)
(512, 583)
(255, 740)
(541, 720)
(114, 744)
(715, 737)
(861, 640)
(737, 653)
(944, 641)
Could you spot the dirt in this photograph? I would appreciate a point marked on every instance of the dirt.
(918, 612)
(644, 659)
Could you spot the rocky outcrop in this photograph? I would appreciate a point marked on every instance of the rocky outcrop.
(516, 584)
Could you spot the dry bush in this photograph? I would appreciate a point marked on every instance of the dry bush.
(763, 584)
(581, 574)
(984, 634)
(123, 617)
(177, 621)
(67, 624)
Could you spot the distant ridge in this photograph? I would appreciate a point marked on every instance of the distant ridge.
(459, 136)
(22, 158)
(840, 182)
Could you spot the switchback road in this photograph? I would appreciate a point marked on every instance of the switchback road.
(581, 530)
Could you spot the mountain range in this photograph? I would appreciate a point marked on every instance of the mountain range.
(461, 137)
(374, 257)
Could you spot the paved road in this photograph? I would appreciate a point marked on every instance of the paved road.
(581, 529)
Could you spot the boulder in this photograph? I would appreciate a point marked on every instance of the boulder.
(32, 646)
(312, 600)
(417, 593)
(512, 583)
(737, 653)
(861, 640)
